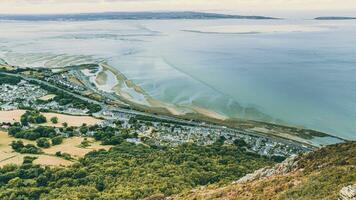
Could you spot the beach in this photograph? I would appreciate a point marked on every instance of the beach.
(134, 94)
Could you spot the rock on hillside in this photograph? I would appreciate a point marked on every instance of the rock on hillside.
(348, 193)
(327, 173)
(286, 166)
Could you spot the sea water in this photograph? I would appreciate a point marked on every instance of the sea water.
(296, 72)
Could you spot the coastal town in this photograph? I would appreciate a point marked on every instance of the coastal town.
(46, 94)
(113, 99)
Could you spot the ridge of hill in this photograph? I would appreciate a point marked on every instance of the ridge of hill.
(327, 173)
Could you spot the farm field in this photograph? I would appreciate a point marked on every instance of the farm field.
(71, 146)
(15, 116)
(8, 156)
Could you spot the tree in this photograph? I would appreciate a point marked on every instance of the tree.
(32, 117)
(24, 120)
(83, 129)
(141, 171)
(42, 181)
(57, 140)
(43, 142)
(28, 159)
(100, 185)
(54, 120)
(40, 119)
(31, 149)
(240, 143)
(65, 124)
(58, 154)
(14, 130)
(220, 141)
(17, 145)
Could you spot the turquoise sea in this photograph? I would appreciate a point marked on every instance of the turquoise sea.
(296, 72)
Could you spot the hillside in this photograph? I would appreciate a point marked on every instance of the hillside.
(315, 175)
(129, 171)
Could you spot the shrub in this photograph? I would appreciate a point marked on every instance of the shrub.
(63, 155)
(28, 159)
(19, 146)
(43, 142)
(57, 140)
(34, 117)
(84, 143)
(54, 120)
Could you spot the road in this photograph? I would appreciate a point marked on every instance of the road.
(104, 106)
(160, 117)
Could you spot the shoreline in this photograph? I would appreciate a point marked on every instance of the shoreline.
(154, 106)
(147, 100)
(300, 135)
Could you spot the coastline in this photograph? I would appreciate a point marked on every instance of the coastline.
(124, 84)
(101, 78)
(127, 91)
(202, 117)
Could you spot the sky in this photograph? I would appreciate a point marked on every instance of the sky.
(270, 7)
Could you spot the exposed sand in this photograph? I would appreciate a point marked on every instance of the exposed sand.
(101, 78)
(209, 113)
(72, 147)
(47, 97)
(137, 88)
(125, 88)
(121, 89)
(172, 109)
(125, 95)
(124, 84)
(15, 116)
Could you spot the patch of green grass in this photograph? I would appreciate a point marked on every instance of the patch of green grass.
(325, 184)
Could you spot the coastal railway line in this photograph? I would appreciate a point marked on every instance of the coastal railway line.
(169, 119)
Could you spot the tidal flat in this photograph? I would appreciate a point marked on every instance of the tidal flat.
(301, 75)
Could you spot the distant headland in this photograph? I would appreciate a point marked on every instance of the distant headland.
(126, 16)
(334, 18)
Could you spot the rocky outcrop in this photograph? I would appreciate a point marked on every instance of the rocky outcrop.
(289, 165)
(319, 174)
(348, 193)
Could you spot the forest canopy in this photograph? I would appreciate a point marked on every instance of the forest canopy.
(129, 171)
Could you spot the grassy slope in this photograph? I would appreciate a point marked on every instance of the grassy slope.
(319, 175)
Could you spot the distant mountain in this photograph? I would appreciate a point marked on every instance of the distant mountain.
(334, 18)
(127, 16)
